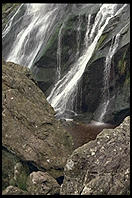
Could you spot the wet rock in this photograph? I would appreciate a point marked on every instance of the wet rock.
(29, 128)
(102, 166)
(41, 183)
(12, 190)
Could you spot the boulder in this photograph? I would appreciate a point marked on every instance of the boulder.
(102, 166)
(12, 190)
(29, 128)
(41, 183)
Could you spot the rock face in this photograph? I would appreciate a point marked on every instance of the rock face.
(29, 128)
(40, 183)
(102, 166)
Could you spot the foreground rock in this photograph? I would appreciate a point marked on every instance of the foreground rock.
(29, 128)
(40, 183)
(12, 190)
(102, 166)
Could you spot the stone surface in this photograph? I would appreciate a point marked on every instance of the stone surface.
(102, 166)
(29, 128)
(41, 183)
(12, 190)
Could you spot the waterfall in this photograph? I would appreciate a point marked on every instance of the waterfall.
(59, 52)
(107, 68)
(65, 87)
(29, 30)
(78, 35)
(87, 38)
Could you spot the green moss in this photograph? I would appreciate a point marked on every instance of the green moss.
(127, 80)
(7, 8)
(101, 40)
(70, 22)
(50, 42)
(8, 163)
(12, 182)
(21, 182)
(122, 64)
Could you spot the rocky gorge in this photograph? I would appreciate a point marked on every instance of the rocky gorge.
(42, 155)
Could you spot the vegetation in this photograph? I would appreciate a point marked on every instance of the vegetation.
(7, 8)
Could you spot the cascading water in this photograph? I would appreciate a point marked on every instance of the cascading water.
(29, 31)
(65, 87)
(107, 68)
(78, 36)
(87, 41)
(59, 52)
(106, 94)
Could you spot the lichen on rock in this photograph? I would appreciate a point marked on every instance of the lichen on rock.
(102, 166)
(41, 183)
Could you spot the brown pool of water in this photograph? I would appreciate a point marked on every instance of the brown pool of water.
(83, 133)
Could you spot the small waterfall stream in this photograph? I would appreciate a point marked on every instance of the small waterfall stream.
(87, 38)
(59, 48)
(30, 32)
(107, 68)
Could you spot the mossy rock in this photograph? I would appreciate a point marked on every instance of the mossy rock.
(8, 162)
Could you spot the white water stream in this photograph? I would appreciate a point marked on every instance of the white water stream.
(63, 89)
(37, 25)
(106, 93)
